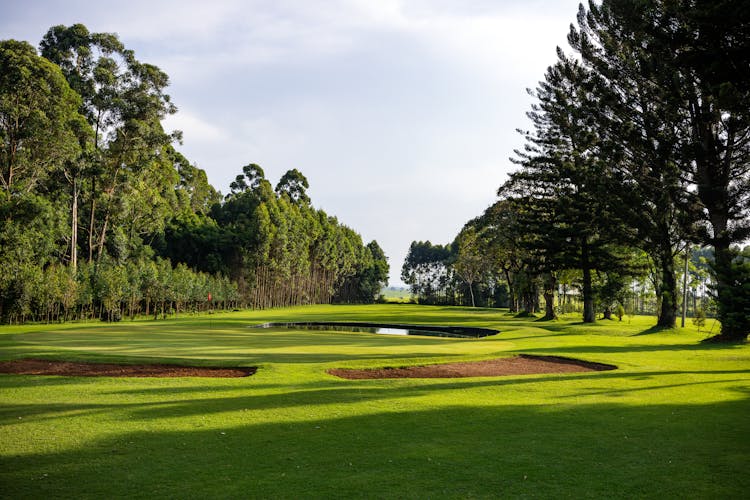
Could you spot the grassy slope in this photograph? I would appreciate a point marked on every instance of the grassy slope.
(671, 422)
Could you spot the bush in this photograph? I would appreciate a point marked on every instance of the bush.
(699, 319)
(619, 311)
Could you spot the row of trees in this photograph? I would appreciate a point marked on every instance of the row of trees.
(93, 188)
(640, 147)
(278, 248)
(641, 142)
(112, 291)
(492, 263)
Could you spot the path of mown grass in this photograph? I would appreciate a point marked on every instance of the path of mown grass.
(670, 423)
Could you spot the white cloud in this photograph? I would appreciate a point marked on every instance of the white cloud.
(195, 129)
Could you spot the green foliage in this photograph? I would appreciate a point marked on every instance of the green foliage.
(38, 120)
(639, 144)
(676, 119)
(733, 291)
(293, 184)
(427, 270)
(470, 263)
(619, 312)
(699, 319)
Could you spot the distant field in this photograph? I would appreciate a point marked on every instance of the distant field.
(396, 294)
(670, 422)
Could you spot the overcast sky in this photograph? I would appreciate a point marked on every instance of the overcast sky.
(401, 113)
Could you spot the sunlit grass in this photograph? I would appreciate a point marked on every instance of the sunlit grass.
(670, 422)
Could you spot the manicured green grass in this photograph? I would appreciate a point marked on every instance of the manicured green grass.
(671, 422)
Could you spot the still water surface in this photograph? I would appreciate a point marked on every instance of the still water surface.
(454, 332)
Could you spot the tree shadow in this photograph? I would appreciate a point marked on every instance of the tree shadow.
(515, 451)
(654, 330)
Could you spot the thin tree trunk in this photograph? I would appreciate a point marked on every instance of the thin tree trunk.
(549, 297)
(91, 222)
(102, 237)
(589, 315)
(684, 286)
(74, 228)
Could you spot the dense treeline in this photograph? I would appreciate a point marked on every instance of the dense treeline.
(640, 148)
(278, 248)
(495, 253)
(101, 216)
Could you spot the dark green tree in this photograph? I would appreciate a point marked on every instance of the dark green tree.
(294, 185)
(124, 102)
(640, 127)
(566, 215)
(38, 123)
(677, 78)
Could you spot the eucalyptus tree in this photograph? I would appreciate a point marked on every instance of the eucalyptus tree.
(249, 180)
(38, 135)
(375, 277)
(470, 263)
(428, 271)
(294, 185)
(38, 118)
(195, 193)
(124, 101)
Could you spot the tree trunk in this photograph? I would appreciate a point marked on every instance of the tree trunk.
(589, 315)
(668, 289)
(684, 286)
(92, 223)
(713, 175)
(549, 297)
(74, 228)
(512, 302)
(102, 237)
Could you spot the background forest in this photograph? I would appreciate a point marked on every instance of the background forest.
(101, 216)
(636, 171)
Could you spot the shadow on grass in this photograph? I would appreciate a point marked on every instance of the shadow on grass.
(206, 399)
(584, 349)
(656, 329)
(561, 451)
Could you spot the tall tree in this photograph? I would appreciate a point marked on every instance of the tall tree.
(677, 78)
(635, 122)
(471, 263)
(294, 185)
(124, 101)
(562, 192)
(38, 119)
(38, 122)
(427, 270)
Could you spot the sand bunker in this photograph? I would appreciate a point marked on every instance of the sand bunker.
(518, 365)
(71, 369)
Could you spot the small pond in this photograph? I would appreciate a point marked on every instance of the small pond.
(387, 329)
